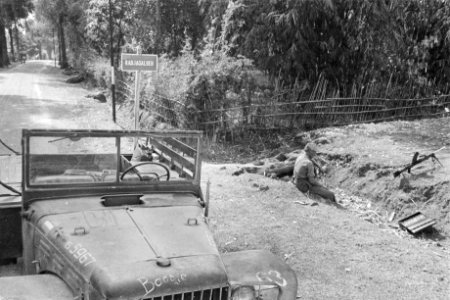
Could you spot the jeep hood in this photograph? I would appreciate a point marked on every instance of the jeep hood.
(135, 233)
(139, 251)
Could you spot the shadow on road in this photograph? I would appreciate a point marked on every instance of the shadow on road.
(43, 67)
(20, 112)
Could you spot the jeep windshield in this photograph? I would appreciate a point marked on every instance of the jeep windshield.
(109, 158)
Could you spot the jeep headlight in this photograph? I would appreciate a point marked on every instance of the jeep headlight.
(267, 292)
(257, 292)
(243, 293)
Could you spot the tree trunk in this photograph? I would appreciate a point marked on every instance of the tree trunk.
(11, 43)
(49, 50)
(58, 33)
(4, 60)
(158, 28)
(40, 50)
(59, 38)
(62, 43)
(246, 110)
(118, 47)
(16, 37)
(2, 64)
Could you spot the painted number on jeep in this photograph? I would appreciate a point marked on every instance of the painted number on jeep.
(272, 276)
(150, 285)
(80, 253)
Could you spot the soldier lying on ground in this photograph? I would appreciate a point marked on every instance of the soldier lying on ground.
(304, 175)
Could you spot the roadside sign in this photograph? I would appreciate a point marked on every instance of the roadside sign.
(139, 62)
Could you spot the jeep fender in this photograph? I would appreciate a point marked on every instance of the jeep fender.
(258, 266)
(34, 287)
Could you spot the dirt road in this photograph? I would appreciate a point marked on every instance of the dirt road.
(335, 253)
(35, 95)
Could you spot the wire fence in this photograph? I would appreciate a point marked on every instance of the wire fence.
(220, 118)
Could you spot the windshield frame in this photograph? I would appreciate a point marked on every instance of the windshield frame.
(116, 185)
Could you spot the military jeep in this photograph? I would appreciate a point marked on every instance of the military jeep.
(121, 215)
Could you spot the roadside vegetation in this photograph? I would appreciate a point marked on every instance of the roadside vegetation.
(219, 55)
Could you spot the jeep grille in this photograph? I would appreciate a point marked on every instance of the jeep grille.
(208, 294)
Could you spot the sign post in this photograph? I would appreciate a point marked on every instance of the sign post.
(138, 63)
(137, 78)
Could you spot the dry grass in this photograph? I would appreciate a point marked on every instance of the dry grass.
(335, 252)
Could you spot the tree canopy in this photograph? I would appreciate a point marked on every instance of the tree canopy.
(348, 42)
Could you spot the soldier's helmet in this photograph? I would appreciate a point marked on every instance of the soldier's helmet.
(310, 149)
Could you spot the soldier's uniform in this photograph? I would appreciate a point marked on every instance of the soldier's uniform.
(304, 175)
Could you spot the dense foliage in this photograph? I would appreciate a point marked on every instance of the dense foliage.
(364, 47)
(347, 41)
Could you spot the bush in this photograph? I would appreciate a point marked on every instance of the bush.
(189, 92)
(99, 71)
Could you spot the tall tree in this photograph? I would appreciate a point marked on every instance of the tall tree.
(10, 12)
(11, 43)
(4, 60)
(55, 12)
